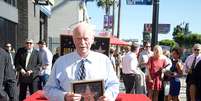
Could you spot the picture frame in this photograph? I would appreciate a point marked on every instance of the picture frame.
(90, 90)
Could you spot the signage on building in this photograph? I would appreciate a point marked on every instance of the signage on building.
(162, 28)
(108, 20)
(146, 37)
(41, 2)
(139, 2)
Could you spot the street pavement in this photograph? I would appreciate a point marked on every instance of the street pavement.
(182, 95)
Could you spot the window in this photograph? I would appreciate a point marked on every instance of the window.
(12, 2)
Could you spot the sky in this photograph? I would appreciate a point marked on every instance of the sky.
(133, 17)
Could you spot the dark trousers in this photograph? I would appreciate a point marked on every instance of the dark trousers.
(132, 83)
(12, 91)
(33, 87)
(128, 80)
(42, 80)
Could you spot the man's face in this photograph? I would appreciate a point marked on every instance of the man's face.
(196, 50)
(29, 45)
(8, 47)
(147, 47)
(83, 42)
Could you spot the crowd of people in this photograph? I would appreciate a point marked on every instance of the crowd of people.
(155, 74)
(26, 70)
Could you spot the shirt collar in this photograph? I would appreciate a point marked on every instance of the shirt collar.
(88, 58)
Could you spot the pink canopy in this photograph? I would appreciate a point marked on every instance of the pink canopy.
(116, 41)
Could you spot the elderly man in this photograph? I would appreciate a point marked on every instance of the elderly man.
(189, 67)
(67, 69)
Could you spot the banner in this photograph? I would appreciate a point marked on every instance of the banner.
(108, 20)
(162, 28)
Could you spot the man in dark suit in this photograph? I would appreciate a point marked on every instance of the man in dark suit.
(8, 49)
(197, 78)
(28, 63)
(8, 82)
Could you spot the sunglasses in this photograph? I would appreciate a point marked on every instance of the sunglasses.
(28, 43)
(196, 49)
(147, 46)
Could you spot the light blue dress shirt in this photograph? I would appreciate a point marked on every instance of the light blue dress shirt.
(98, 66)
(46, 56)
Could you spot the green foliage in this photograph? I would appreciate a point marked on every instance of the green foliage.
(168, 42)
(177, 29)
(193, 39)
(179, 38)
(184, 38)
(106, 4)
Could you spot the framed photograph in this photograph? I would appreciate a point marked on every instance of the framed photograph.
(90, 90)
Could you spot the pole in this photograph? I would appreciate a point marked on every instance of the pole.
(119, 19)
(155, 18)
(113, 18)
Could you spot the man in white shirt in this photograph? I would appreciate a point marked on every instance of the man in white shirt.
(133, 77)
(96, 66)
(144, 56)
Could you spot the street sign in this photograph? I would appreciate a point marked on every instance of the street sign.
(139, 2)
(162, 28)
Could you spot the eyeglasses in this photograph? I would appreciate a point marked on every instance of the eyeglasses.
(147, 46)
(28, 43)
(7, 46)
(196, 49)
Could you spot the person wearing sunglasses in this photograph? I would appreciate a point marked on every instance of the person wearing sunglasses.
(189, 66)
(28, 63)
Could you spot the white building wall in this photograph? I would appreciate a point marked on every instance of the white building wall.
(64, 14)
(33, 21)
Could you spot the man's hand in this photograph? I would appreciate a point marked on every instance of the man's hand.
(28, 73)
(22, 71)
(72, 97)
(103, 98)
(45, 66)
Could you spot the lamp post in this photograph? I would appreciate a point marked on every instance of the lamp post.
(154, 40)
(113, 17)
(119, 19)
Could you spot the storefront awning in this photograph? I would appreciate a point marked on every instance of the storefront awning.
(116, 41)
(46, 9)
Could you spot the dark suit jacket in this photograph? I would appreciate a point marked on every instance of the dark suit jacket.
(197, 77)
(34, 64)
(8, 84)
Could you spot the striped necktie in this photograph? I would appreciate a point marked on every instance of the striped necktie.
(81, 71)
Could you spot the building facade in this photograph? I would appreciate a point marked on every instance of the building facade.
(23, 19)
(8, 21)
(64, 15)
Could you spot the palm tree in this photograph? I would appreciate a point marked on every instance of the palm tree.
(106, 4)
